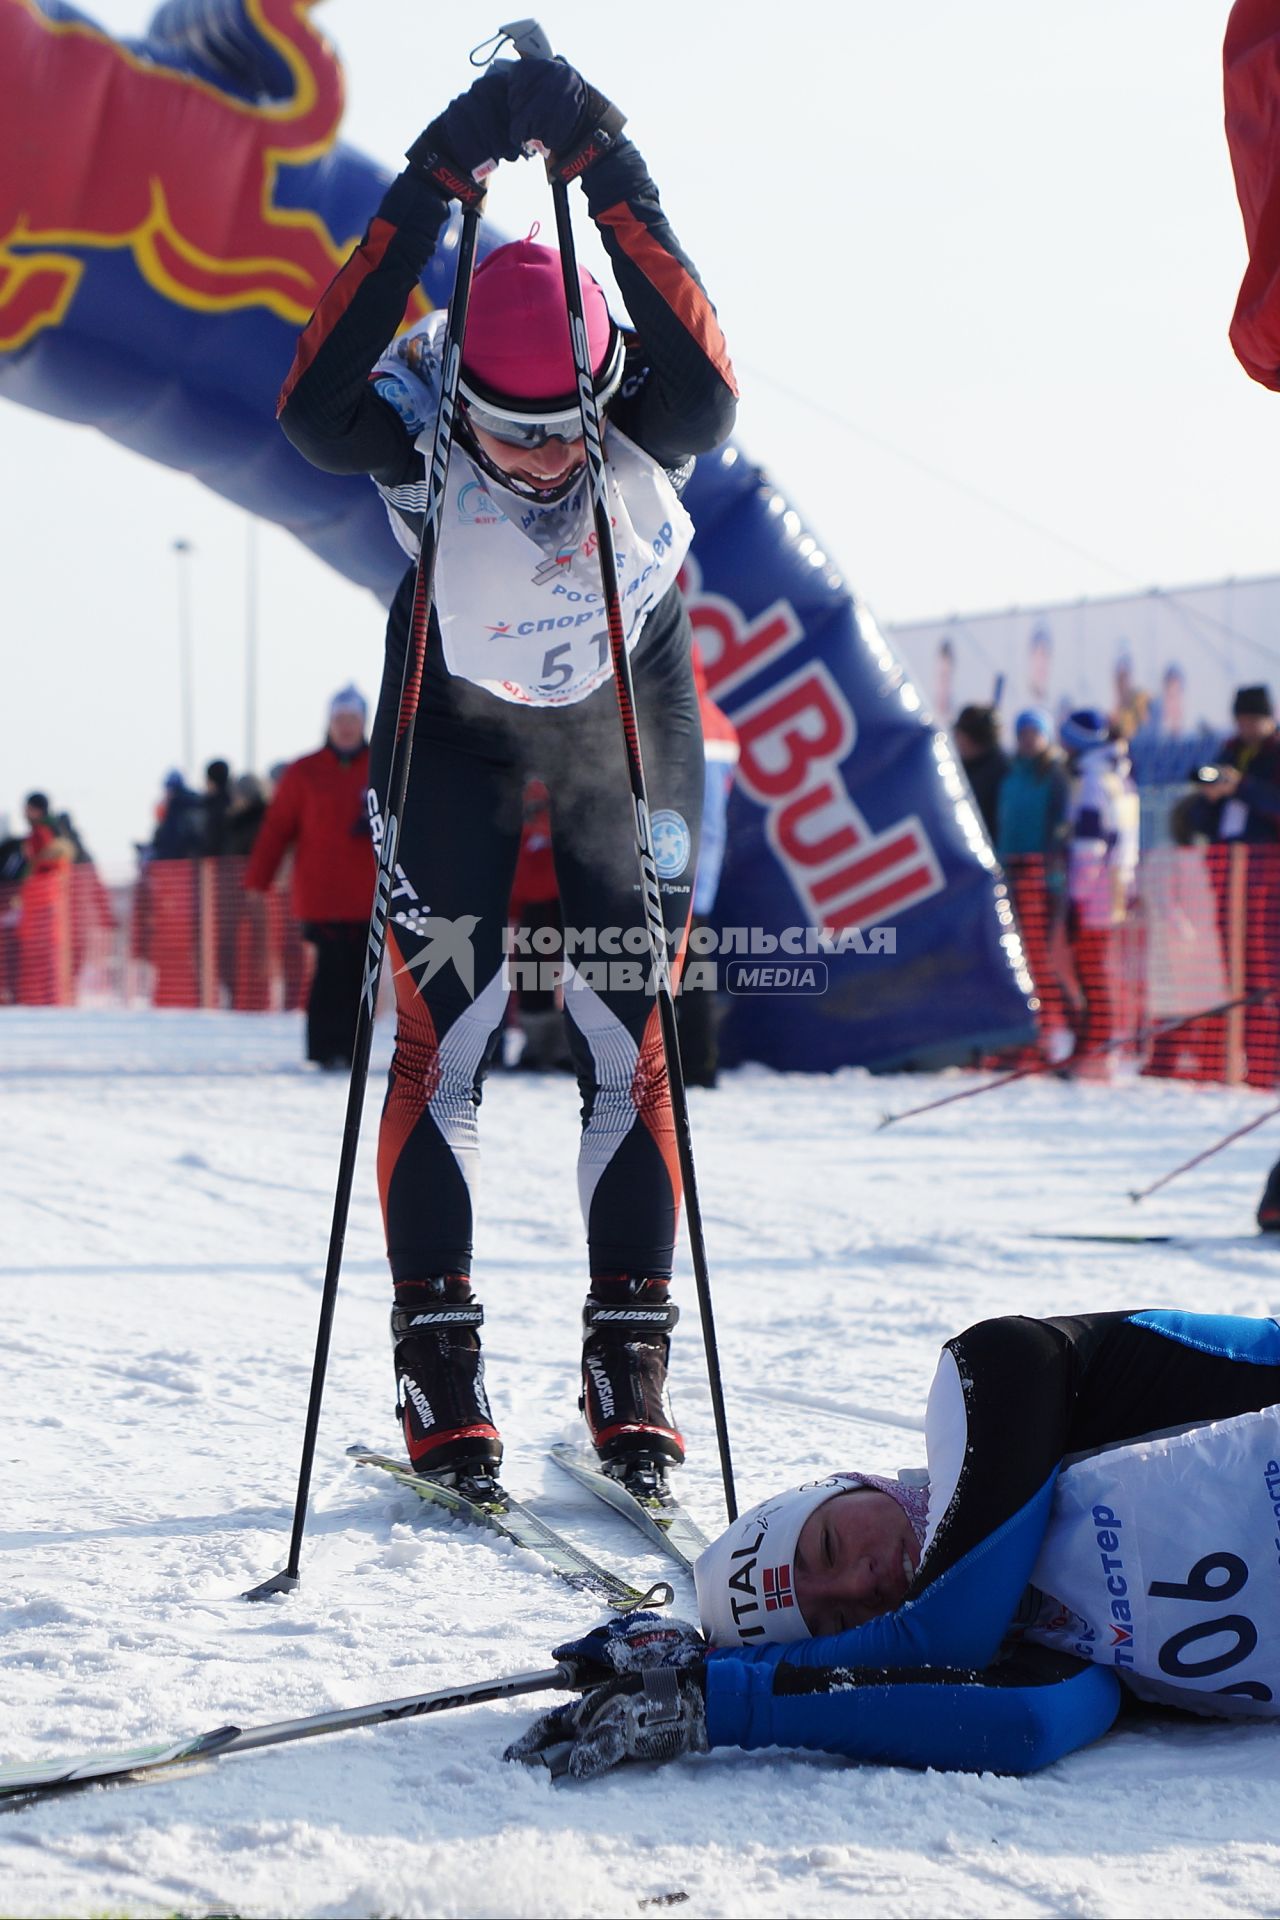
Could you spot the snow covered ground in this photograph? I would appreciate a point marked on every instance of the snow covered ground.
(165, 1191)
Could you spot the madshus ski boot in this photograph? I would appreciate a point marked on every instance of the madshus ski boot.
(626, 1345)
(441, 1402)
(454, 1448)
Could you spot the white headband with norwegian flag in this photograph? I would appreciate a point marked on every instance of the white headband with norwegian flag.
(746, 1578)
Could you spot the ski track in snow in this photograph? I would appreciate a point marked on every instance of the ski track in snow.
(165, 1192)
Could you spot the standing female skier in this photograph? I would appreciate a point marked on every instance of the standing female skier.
(1101, 1506)
(518, 683)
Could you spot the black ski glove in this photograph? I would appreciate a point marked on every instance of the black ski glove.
(654, 1716)
(630, 1643)
(554, 108)
(473, 130)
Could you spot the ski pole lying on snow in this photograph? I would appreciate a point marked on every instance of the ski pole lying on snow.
(528, 39)
(1086, 1053)
(26, 1783)
(1145, 1192)
(397, 786)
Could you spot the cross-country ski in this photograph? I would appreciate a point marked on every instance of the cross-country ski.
(494, 1510)
(658, 1516)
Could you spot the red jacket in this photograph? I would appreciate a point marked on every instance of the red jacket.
(1251, 71)
(319, 810)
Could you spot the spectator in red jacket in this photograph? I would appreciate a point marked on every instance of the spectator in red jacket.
(534, 907)
(1251, 89)
(44, 930)
(319, 813)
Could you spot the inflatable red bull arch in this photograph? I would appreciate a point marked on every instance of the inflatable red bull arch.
(172, 211)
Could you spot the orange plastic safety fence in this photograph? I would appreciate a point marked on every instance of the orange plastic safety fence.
(1201, 930)
(185, 934)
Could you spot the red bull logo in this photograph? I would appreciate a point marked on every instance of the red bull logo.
(103, 148)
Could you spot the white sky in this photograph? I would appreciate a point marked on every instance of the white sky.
(963, 255)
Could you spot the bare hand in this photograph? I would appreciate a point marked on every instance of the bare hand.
(1226, 783)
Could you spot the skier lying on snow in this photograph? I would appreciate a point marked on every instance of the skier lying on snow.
(1101, 1505)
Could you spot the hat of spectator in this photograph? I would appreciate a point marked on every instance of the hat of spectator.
(979, 724)
(174, 782)
(348, 700)
(217, 772)
(1084, 729)
(1037, 717)
(40, 801)
(1254, 700)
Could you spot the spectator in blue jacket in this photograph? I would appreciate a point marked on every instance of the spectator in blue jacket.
(1031, 811)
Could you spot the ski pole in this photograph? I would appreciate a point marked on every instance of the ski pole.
(527, 38)
(397, 785)
(1145, 1192)
(1086, 1053)
(58, 1776)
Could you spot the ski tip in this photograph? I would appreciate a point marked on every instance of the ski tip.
(282, 1582)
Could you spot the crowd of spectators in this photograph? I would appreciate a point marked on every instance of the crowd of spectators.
(1062, 815)
(224, 819)
(1059, 805)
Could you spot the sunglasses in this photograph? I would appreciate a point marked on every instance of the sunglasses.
(558, 419)
(565, 426)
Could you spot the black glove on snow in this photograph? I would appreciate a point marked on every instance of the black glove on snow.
(631, 1643)
(473, 129)
(656, 1715)
(552, 106)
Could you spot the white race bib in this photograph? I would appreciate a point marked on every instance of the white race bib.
(1163, 1562)
(518, 586)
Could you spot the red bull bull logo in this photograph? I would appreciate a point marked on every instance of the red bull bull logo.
(102, 147)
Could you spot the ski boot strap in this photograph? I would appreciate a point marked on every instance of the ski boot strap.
(631, 1317)
(441, 1301)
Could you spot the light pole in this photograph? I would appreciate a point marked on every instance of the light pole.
(184, 549)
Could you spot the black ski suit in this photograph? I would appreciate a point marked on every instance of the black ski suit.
(474, 752)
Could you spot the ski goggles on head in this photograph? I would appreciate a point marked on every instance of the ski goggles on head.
(531, 423)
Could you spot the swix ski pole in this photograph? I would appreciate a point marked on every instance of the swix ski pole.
(397, 786)
(527, 38)
(22, 1784)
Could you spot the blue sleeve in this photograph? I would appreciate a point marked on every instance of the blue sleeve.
(1226, 1336)
(958, 1620)
(1017, 1716)
(717, 781)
